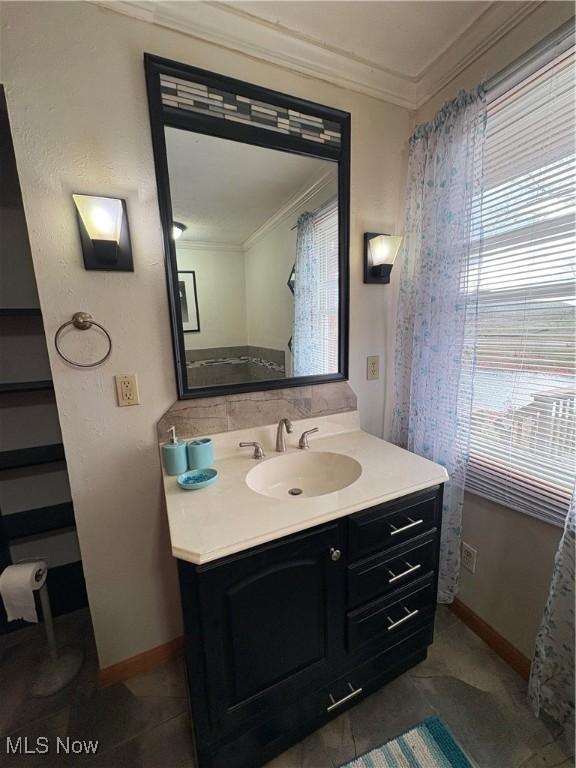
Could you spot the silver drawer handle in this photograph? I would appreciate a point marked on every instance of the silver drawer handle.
(411, 524)
(409, 615)
(411, 568)
(334, 704)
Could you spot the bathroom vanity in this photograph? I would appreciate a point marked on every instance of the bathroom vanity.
(296, 608)
(307, 575)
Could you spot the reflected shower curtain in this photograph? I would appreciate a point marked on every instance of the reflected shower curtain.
(551, 686)
(433, 381)
(306, 301)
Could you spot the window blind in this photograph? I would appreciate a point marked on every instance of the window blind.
(326, 245)
(522, 440)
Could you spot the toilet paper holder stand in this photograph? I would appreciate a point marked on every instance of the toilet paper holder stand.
(59, 669)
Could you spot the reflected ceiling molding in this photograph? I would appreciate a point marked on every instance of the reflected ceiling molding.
(205, 245)
(229, 27)
(299, 199)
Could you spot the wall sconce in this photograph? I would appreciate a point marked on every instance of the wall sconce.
(178, 229)
(379, 253)
(104, 233)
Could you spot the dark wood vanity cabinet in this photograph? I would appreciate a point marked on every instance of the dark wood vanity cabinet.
(284, 636)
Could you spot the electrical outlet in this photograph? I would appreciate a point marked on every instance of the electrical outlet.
(372, 367)
(469, 555)
(127, 389)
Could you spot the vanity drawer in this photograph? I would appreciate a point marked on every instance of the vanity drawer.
(390, 617)
(384, 572)
(262, 742)
(392, 523)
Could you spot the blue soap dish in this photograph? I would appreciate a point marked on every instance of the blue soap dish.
(197, 478)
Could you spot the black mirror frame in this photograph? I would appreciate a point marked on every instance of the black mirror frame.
(161, 116)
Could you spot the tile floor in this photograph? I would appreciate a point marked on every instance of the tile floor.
(144, 722)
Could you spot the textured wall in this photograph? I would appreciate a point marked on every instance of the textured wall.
(76, 95)
(221, 295)
(513, 571)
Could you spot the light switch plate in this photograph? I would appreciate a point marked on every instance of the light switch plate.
(127, 389)
(469, 555)
(372, 367)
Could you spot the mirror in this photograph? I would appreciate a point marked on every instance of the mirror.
(257, 260)
(256, 231)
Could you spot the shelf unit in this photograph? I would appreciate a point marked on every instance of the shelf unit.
(20, 312)
(9, 387)
(34, 522)
(31, 457)
(34, 525)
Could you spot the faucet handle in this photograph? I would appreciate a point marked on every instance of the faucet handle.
(303, 442)
(258, 450)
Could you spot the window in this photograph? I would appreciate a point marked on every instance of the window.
(316, 293)
(326, 241)
(522, 441)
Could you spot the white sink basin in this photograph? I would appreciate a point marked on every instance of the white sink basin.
(303, 474)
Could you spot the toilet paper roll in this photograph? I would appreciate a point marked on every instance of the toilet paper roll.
(17, 586)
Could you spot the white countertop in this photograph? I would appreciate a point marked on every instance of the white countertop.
(229, 517)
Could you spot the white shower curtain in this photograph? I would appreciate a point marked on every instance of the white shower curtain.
(433, 385)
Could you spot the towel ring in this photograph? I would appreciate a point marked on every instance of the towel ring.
(82, 321)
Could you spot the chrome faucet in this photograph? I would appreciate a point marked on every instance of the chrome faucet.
(303, 442)
(280, 439)
(258, 451)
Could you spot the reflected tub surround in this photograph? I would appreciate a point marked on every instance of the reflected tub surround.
(221, 365)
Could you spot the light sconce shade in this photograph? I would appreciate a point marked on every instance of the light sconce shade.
(104, 233)
(178, 229)
(379, 253)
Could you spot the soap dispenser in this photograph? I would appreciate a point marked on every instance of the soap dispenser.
(174, 457)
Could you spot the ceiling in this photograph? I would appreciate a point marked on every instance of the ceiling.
(402, 52)
(224, 191)
(401, 37)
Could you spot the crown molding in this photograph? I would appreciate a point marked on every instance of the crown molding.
(223, 25)
(204, 245)
(229, 29)
(291, 205)
(494, 24)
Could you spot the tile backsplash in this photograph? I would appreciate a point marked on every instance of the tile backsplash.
(209, 415)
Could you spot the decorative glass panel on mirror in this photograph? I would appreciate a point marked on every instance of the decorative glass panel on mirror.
(257, 253)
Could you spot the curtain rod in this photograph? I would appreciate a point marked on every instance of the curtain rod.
(557, 42)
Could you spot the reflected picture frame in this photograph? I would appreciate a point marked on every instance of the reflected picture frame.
(188, 296)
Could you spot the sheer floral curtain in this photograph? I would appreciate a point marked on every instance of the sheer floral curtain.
(551, 687)
(306, 299)
(433, 389)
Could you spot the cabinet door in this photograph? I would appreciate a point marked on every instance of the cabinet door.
(273, 622)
